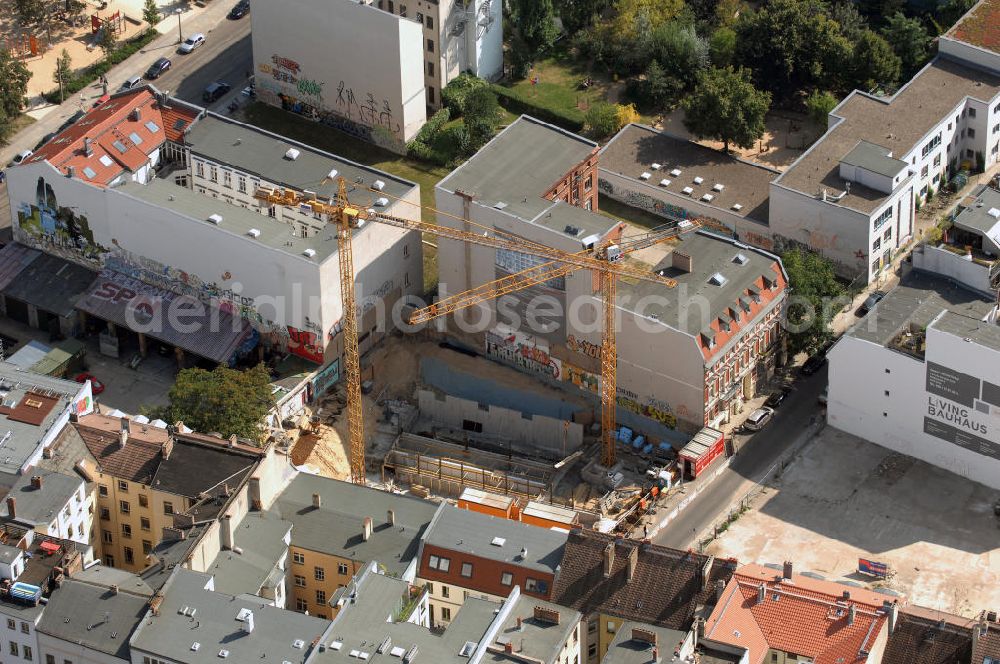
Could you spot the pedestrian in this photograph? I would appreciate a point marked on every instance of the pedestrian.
(645, 532)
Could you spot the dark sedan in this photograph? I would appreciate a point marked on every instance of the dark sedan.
(157, 68)
(813, 364)
(777, 398)
(240, 10)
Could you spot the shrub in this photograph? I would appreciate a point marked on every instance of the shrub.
(124, 51)
(602, 120)
(456, 92)
(510, 100)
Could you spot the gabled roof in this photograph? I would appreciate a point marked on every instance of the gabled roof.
(136, 461)
(667, 586)
(987, 643)
(803, 615)
(929, 639)
(39, 504)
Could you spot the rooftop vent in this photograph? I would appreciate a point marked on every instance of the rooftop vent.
(699, 180)
(382, 202)
(740, 259)
(737, 207)
(718, 187)
(298, 644)
(498, 541)
(309, 253)
(572, 231)
(993, 212)
(195, 646)
(292, 154)
(717, 279)
(468, 649)
(655, 166)
(106, 160)
(223, 653)
(499, 205)
(254, 232)
(336, 645)
(397, 651)
(215, 219)
(378, 185)
(645, 175)
(89, 172)
(707, 198)
(688, 190)
(664, 182)
(332, 174)
(675, 172)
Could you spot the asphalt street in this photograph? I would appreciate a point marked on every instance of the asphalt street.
(755, 455)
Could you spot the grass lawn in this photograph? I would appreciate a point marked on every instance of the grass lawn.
(558, 88)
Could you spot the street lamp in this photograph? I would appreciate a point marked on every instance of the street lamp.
(180, 35)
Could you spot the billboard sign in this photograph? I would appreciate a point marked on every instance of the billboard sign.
(873, 568)
(962, 410)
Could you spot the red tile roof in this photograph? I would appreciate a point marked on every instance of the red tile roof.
(736, 328)
(805, 616)
(980, 27)
(986, 642)
(137, 461)
(176, 121)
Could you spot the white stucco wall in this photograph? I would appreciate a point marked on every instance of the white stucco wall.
(951, 265)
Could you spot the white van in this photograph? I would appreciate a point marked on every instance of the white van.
(759, 419)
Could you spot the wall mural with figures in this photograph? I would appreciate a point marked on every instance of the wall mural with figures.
(359, 113)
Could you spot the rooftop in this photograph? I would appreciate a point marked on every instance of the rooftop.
(38, 502)
(742, 269)
(917, 301)
(31, 405)
(897, 123)
(982, 215)
(667, 587)
(822, 620)
(496, 538)
(168, 554)
(94, 616)
(927, 640)
(194, 624)
(136, 461)
(979, 27)
(634, 642)
(260, 538)
(634, 150)
(48, 282)
(874, 158)
(519, 165)
(987, 644)
(44, 558)
(336, 528)
(545, 627)
(260, 152)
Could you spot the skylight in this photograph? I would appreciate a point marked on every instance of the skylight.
(135, 138)
(120, 147)
(89, 172)
(106, 160)
(717, 279)
(152, 127)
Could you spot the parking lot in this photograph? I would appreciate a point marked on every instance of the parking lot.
(845, 498)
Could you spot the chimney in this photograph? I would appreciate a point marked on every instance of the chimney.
(248, 622)
(11, 504)
(633, 562)
(71, 171)
(846, 594)
(36, 481)
(706, 573)
(167, 448)
(317, 500)
(682, 261)
(87, 149)
(226, 533)
(114, 588)
(136, 114)
(787, 570)
(850, 614)
(123, 432)
(367, 528)
(520, 624)
(508, 648)
(609, 559)
(980, 630)
(892, 611)
(390, 517)
(232, 441)
(761, 592)
(720, 588)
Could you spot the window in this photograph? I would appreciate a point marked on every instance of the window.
(102, 489)
(319, 573)
(147, 547)
(430, 68)
(11, 623)
(430, 23)
(301, 605)
(321, 597)
(420, 17)
(227, 179)
(876, 244)
(937, 160)
(144, 523)
(933, 143)
(888, 371)
(507, 578)
(109, 560)
(13, 649)
(430, 588)
(467, 569)
(27, 653)
(402, 11)
(168, 507)
(592, 650)
(107, 537)
(612, 627)
(884, 217)
(972, 132)
(430, 94)
(445, 614)
(888, 234)
(129, 555)
(300, 581)
(25, 628)
(213, 174)
(535, 586)
(124, 506)
(430, 45)
(49, 659)
(406, 251)
(342, 569)
(445, 591)
(298, 558)
(588, 184)
(876, 264)
(126, 530)
(591, 626)
(241, 184)
(199, 169)
(123, 486)
(143, 500)
(996, 128)
(923, 172)
(105, 514)
(972, 112)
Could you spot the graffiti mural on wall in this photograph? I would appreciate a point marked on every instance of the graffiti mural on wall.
(651, 407)
(648, 203)
(279, 83)
(522, 352)
(305, 344)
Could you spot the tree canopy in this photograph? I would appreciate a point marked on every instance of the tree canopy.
(482, 116)
(223, 400)
(874, 62)
(535, 21)
(727, 107)
(909, 40)
(815, 299)
(14, 75)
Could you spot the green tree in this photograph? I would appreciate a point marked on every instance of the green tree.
(108, 40)
(657, 12)
(151, 13)
(454, 94)
(819, 104)
(727, 107)
(816, 298)
(681, 52)
(31, 12)
(535, 21)
(851, 22)
(223, 400)
(874, 63)
(722, 46)
(656, 89)
(909, 40)
(602, 119)
(577, 15)
(482, 116)
(63, 72)
(14, 75)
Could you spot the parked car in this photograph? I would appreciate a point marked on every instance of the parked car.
(100, 100)
(96, 386)
(214, 91)
(239, 10)
(21, 156)
(192, 42)
(131, 82)
(45, 139)
(776, 398)
(157, 68)
(759, 419)
(870, 302)
(813, 364)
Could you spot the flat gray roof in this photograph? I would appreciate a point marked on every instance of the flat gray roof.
(473, 533)
(260, 537)
(254, 150)
(278, 635)
(977, 218)
(635, 149)
(626, 650)
(874, 158)
(236, 220)
(40, 506)
(565, 218)
(538, 639)
(919, 299)
(336, 528)
(93, 616)
(897, 123)
(518, 165)
(967, 327)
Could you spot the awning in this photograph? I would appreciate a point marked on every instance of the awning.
(177, 320)
(51, 284)
(14, 258)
